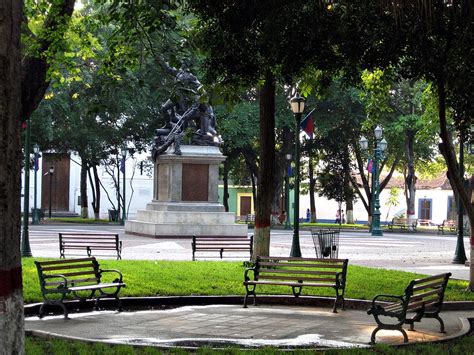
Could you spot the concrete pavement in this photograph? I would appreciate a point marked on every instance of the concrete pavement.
(225, 325)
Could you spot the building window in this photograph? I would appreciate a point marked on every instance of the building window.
(424, 208)
(452, 208)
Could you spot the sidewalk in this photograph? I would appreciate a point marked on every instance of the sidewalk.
(225, 325)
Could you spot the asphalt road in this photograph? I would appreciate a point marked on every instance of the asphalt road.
(422, 253)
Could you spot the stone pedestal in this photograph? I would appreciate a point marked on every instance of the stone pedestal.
(185, 199)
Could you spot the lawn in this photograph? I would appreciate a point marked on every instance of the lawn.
(160, 278)
(165, 278)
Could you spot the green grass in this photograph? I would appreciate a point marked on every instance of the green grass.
(40, 346)
(335, 225)
(78, 220)
(165, 278)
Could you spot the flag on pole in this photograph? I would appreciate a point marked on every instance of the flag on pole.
(307, 124)
(36, 162)
(370, 166)
(122, 166)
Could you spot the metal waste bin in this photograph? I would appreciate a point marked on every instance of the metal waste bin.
(113, 216)
(326, 243)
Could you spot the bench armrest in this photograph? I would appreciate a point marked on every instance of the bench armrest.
(112, 270)
(398, 298)
(340, 281)
(246, 272)
(44, 277)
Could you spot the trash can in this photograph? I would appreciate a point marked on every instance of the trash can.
(113, 216)
(326, 243)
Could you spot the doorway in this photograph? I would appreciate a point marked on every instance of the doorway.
(424, 208)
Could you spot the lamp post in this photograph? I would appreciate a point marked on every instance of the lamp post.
(287, 191)
(51, 173)
(380, 146)
(460, 254)
(35, 216)
(297, 106)
(25, 241)
(122, 168)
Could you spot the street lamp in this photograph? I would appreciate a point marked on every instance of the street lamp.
(25, 241)
(460, 253)
(51, 173)
(380, 147)
(287, 191)
(122, 168)
(35, 216)
(297, 106)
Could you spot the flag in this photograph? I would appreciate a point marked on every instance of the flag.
(307, 124)
(122, 166)
(36, 162)
(290, 170)
(370, 166)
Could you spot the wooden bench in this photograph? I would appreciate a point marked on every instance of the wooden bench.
(76, 278)
(424, 222)
(297, 273)
(423, 297)
(403, 223)
(209, 243)
(448, 224)
(89, 242)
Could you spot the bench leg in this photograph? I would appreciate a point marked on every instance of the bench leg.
(250, 292)
(372, 337)
(441, 323)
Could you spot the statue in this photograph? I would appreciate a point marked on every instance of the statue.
(189, 104)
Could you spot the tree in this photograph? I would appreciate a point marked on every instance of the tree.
(255, 44)
(31, 70)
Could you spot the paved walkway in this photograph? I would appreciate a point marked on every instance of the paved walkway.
(224, 325)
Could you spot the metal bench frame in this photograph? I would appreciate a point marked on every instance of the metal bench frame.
(403, 223)
(297, 273)
(212, 243)
(89, 242)
(424, 297)
(75, 278)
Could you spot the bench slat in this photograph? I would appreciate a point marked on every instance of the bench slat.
(96, 287)
(291, 265)
(304, 278)
(295, 284)
(429, 278)
(423, 295)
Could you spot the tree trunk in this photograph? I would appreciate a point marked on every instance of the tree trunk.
(312, 191)
(83, 190)
(226, 186)
(266, 167)
(457, 183)
(11, 302)
(410, 178)
(95, 187)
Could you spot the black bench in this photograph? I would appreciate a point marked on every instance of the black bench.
(89, 242)
(423, 297)
(448, 224)
(297, 273)
(76, 278)
(210, 243)
(403, 223)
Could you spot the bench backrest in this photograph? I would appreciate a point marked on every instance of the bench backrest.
(450, 222)
(78, 272)
(81, 239)
(301, 269)
(427, 293)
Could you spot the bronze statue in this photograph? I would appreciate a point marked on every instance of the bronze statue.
(189, 103)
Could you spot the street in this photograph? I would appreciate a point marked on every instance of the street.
(421, 253)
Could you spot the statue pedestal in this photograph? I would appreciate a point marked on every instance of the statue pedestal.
(185, 200)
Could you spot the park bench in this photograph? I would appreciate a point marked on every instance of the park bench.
(89, 242)
(210, 243)
(78, 279)
(423, 298)
(250, 219)
(424, 222)
(448, 224)
(403, 223)
(297, 273)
